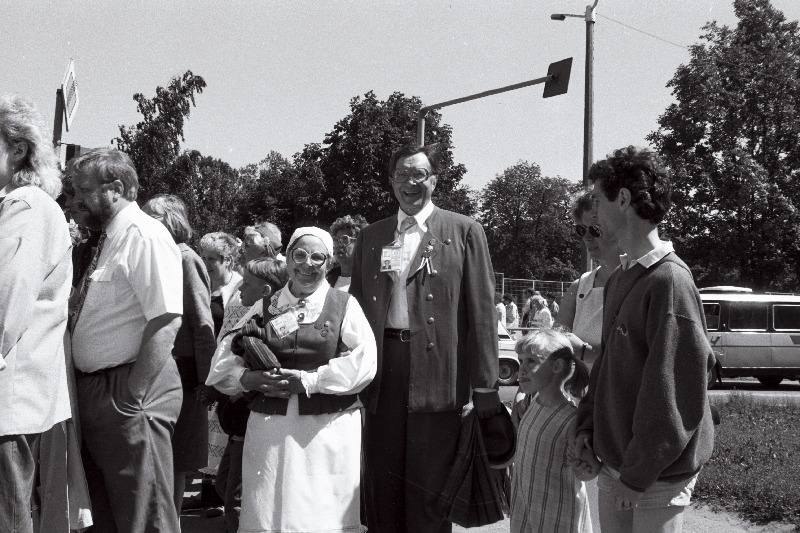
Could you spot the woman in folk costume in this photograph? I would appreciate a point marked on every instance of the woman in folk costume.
(303, 360)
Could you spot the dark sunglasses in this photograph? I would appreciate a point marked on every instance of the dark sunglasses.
(580, 230)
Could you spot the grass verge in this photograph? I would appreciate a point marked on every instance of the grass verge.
(755, 469)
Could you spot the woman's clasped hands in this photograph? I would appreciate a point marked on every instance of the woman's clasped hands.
(277, 382)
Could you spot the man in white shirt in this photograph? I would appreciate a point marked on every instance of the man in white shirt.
(35, 275)
(124, 317)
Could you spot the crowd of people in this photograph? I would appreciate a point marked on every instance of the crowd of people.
(340, 367)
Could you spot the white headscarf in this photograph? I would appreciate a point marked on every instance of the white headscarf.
(321, 234)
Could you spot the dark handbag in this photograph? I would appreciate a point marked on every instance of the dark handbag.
(233, 415)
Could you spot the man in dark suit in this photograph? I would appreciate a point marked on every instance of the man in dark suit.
(425, 281)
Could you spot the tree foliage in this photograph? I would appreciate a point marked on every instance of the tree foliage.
(211, 189)
(733, 140)
(347, 173)
(155, 143)
(527, 223)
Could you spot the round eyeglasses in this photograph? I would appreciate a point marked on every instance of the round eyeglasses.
(416, 176)
(301, 256)
(345, 240)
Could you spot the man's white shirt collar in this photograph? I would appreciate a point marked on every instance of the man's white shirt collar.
(122, 219)
(650, 258)
(421, 217)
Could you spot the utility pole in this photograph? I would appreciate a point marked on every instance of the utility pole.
(588, 105)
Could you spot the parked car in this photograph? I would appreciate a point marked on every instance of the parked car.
(753, 335)
(509, 364)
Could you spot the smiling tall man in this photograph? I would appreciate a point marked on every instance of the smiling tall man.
(425, 281)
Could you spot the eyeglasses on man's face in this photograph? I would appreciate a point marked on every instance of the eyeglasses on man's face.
(301, 256)
(581, 229)
(414, 175)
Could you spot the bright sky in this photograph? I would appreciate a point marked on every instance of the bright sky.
(281, 73)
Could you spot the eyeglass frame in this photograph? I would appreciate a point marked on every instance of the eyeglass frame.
(314, 262)
(407, 174)
(348, 239)
(581, 229)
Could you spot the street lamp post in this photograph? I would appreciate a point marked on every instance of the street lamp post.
(588, 103)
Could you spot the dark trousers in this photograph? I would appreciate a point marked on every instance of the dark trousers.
(18, 474)
(229, 483)
(407, 455)
(128, 452)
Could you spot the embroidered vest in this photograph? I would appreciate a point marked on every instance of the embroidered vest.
(309, 348)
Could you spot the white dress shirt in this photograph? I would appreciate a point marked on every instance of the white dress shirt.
(348, 374)
(397, 316)
(138, 277)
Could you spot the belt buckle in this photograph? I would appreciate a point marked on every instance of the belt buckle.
(405, 335)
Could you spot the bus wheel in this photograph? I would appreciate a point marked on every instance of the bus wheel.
(770, 381)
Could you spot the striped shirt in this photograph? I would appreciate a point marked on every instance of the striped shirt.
(546, 496)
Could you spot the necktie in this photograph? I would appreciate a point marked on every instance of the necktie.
(407, 224)
(83, 287)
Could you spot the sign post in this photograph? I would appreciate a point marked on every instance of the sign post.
(66, 103)
(556, 83)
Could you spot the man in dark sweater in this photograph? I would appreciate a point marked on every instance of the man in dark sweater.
(646, 415)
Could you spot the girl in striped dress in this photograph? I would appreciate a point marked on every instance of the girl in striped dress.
(546, 495)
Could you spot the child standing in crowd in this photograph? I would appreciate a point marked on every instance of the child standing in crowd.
(546, 495)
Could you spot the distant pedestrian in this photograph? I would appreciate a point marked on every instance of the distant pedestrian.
(541, 314)
(501, 308)
(527, 313)
(512, 314)
(554, 307)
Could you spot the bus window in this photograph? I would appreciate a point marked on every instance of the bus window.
(712, 316)
(787, 317)
(748, 316)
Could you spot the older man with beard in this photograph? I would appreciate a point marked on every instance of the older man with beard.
(124, 316)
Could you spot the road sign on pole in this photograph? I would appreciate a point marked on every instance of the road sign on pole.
(69, 91)
(556, 82)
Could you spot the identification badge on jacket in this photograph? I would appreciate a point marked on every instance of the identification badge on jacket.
(284, 325)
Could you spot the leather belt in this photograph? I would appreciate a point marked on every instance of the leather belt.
(81, 374)
(403, 335)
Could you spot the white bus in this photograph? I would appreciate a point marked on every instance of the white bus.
(754, 335)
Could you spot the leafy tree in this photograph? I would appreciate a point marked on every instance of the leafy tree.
(733, 140)
(274, 192)
(154, 143)
(527, 223)
(211, 189)
(347, 173)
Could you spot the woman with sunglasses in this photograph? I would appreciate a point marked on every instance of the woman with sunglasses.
(582, 306)
(302, 448)
(344, 230)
